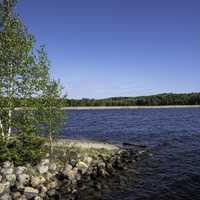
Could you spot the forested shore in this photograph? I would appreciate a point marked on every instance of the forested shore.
(165, 99)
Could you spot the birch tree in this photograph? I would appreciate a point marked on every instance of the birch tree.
(51, 113)
(24, 75)
(16, 61)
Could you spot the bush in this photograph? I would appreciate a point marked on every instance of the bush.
(23, 149)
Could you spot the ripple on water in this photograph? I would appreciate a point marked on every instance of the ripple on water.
(173, 173)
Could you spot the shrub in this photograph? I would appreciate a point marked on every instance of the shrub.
(23, 149)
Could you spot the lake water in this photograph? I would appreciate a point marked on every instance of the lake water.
(173, 135)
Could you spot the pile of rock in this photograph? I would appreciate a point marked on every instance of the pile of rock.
(48, 178)
(25, 182)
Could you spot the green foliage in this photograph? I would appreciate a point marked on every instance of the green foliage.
(26, 121)
(4, 151)
(154, 100)
(24, 76)
(50, 112)
(16, 63)
(23, 149)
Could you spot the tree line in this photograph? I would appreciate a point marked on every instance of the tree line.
(153, 100)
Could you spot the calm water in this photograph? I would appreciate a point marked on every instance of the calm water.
(173, 172)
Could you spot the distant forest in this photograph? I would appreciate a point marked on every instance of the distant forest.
(153, 100)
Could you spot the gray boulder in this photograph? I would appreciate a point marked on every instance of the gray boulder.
(6, 197)
(43, 167)
(30, 192)
(11, 178)
(45, 162)
(6, 171)
(4, 187)
(88, 160)
(36, 181)
(101, 164)
(38, 198)
(53, 167)
(82, 167)
(23, 179)
(7, 164)
(20, 170)
(16, 195)
(67, 169)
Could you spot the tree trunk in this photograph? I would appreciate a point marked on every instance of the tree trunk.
(51, 143)
(9, 122)
(11, 88)
(2, 131)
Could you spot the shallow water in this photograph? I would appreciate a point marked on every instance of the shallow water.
(173, 135)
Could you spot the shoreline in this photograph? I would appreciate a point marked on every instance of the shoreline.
(128, 107)
(76, 169)
(84, 144)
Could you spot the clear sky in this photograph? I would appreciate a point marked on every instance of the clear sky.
(103, 48)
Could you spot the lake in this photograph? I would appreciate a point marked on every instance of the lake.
(173, 135)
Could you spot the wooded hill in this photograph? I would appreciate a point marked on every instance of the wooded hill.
(153, 100)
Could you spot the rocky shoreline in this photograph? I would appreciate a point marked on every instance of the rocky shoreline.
(67, 173)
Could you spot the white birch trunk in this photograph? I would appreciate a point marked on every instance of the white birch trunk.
(2, 131)
(9, 122)
(10, 95)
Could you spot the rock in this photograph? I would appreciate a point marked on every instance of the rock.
(82, 167)
(30, 192)
(4, 187)
(142, 152)
(11, 178)
(6, 197)
(23, 197)
(109, 167)
(1, 178)
(43, 189)
(67, 169)
(44, 162)
(103, 172)
(23, 179)
(51, 193)
(19, 187)
(43, 169)
(20, 170)
(36, 181)
(6, 171)
(16, 195)
(88, 160)
(7, 164)
(38, 198)
(43, 195)
(72, 174)
(53, 167)
(48, 176)
(101, 164)
(52, 185)
(98, 186)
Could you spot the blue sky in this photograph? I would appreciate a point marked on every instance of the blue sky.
(103, 48)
